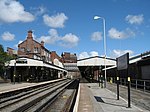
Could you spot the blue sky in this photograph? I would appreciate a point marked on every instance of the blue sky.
(68, 25)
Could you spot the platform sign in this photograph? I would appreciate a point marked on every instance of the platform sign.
(21, 61)
(123, 62)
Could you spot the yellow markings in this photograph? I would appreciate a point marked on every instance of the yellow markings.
(64, 96)
(129, 79)
(117, 78)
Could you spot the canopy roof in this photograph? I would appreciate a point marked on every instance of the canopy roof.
(96, 61)
(34, 62)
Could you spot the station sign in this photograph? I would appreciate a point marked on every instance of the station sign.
(123, 62)
(21, 61)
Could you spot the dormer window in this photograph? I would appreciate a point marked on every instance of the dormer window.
(36, 50)
(22, 49)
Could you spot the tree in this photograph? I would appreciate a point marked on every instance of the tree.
(4, 57)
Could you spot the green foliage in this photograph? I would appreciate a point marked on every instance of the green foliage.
(4, 57)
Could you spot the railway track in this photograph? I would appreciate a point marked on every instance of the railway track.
(35, 99)
(65, 101)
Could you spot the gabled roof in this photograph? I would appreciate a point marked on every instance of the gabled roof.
(35, 42)
(96, 61)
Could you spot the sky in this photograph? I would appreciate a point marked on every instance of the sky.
(69, 25)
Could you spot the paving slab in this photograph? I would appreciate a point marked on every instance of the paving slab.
(85, 103)
(102, 100)
(10, 86)
(6, 87)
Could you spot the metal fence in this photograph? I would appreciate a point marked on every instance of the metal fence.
(135, 83)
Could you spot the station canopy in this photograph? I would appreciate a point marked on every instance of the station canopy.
(33, 62)
(96, 61)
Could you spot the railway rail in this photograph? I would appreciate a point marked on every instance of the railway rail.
(35, 99)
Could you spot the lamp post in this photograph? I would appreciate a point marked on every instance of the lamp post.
(98, 17)
(14, 75)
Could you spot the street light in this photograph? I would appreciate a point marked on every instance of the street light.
(98, 17)
(14, 75)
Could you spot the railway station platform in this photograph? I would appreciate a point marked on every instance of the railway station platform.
(92, 98)
(4, 87)
(8, 87)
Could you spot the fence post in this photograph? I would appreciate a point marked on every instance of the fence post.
(124, 81)
(120, 81)
(136, 84)
(144, 86)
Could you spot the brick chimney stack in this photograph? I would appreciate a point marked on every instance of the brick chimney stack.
(30, 34)
(42, 43)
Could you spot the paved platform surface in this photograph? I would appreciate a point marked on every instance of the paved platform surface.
(6, 87)
(95, 99)
(10, 86)
(138, 97)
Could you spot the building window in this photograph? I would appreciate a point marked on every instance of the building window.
(36, 50)
(22, 49)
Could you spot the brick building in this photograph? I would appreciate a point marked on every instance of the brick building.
(54, 55)
(11, 51)
(68, 58)
(32, 49)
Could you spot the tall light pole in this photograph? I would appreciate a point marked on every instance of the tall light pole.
(14, 75)
(98, 17)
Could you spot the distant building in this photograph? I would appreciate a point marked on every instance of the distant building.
(70, 64)
(68, 58)
(32, 49)
(73, 70)
(54, 56)
(11, 51)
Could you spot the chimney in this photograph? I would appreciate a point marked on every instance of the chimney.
(42, 43)
(30, 34)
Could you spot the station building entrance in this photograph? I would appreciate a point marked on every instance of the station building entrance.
(92, 68)
(32, 70)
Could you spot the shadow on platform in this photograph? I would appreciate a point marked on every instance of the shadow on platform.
(99, 99)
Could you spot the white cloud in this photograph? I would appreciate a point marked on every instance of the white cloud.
(135, 19)
(38, 10)
(56, 21)
(116, 53)
(51, 38)
(12, 11)
(69, 40)
(83, 55)
(115, 34)
(7, 36)
(93, 53)
(96, 36)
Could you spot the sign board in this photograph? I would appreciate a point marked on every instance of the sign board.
(123, 62)
(21, 61)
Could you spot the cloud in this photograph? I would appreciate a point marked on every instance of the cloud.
(96, 36)
(115, 34)
(7, 36)
(116, 53)
(38, 10)
(83, 55)
(51, 38)
(93, 53)
(56, 21)
(135, 19)
(69, 40)
(12, 11)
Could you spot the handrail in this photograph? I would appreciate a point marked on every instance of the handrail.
(139, 84)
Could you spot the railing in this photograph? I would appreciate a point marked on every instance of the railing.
(135, 83)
